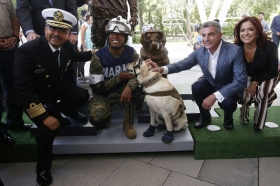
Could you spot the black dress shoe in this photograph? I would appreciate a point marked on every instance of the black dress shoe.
(64, 122)
(80, 117)
(228, 123)
(26, 126)
(1, 183)
(6, 139)
(44, 177)
(201, 122)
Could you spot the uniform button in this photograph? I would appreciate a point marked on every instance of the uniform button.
(49, 86)
(47, 76)
(61, 79)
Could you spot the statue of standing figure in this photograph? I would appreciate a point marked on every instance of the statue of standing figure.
(104, 10)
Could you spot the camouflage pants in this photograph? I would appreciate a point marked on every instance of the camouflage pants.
(101, 17)
(100, 109)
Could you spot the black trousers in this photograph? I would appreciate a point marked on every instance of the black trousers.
(3, 127)
(14, 112)
(71, 99)
(202, 88)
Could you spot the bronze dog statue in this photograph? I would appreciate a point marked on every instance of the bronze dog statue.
(153, 42)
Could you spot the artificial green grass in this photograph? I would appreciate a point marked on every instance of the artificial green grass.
(241, 142)
(24, 150)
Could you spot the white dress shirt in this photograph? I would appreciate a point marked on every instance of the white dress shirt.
(212, 67)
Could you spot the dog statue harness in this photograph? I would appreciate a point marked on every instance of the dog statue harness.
(173, 93)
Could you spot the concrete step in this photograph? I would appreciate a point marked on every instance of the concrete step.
(114, 140)
(184, 90)
(75, 129)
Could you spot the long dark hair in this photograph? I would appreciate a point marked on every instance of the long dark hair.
(261, 36)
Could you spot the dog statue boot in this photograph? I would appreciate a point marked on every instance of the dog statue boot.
(150, 131)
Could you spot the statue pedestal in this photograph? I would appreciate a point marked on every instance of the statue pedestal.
(81, 139)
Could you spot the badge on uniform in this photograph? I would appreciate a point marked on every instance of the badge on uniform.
(37, 71)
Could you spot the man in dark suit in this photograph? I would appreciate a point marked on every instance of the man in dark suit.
(33, 24)
(224, 74)
(39, 69)
(275, 28)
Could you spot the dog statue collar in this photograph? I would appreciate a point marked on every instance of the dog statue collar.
(152, 80)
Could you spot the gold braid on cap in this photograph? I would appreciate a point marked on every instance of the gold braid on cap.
(58, 24)
(58, 21)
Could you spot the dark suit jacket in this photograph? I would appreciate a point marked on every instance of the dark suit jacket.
(265, 63)
(29, 13)
(231, 76)
(36, 76)
(275, 25)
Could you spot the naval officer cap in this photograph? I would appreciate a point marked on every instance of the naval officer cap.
(59, 18)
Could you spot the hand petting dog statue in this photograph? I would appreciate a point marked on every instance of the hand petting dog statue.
(165, 103)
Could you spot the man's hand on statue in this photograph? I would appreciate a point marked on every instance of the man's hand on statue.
(73, 38)
(31, 36)
(51, 122)
(209, 102)
(126, 95)
(133, 21)
(124, 76)
(155, 67)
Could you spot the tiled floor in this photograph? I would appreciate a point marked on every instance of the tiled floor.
(151, 169)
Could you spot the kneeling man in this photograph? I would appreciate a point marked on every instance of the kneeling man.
(224, 74)
(112, 84)
(39, 69)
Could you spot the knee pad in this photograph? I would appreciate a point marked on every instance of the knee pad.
(99, 112)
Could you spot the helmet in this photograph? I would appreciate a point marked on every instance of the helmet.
(118, 25)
